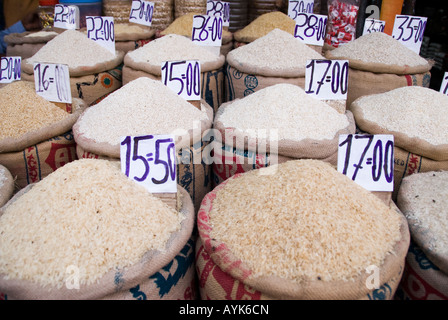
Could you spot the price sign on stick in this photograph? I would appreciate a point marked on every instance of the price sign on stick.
(150, 161)
(299, 6)
(327, 79)
(141, 12)
(184, 78)
(373, 25)
(444, 85)
(66, 17)
(10, 69)
(310, 28)
(368, 160)
(409, 31)
(52, 81)
(101, 30)
(219, 9)
(207, 31)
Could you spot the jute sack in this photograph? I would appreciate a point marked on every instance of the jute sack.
(223, 277)
(6, 185)
(27, 43)
(36, 154)
(130, 36)
(193, 170)
(167, 275)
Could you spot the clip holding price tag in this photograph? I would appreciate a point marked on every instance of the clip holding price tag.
(66, 17)
(409, 31)
(52, 82)
(10, 69)
(101, 30)
(368, 160)
(141, 12)
(327, 79)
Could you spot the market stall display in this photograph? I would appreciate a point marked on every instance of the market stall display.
(26, 44)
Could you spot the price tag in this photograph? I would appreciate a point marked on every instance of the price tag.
(207, 31)
(66, 17)
(373, 25)
(327, 79)
(183, 77)
(142, 12)
(368, 160)
(444, 85)
(150, 161)
(299, 6)
(101, 30)
(310, 28)
(219, 9)
(409, 31)
(52, 81)
(10, 69)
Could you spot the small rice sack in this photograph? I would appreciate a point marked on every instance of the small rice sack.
(303, 231)
(90, 240)
(27, 43)
(146, 106)
(416, 117)
(423, 200)
(94, 71)
(277, 57)
(147, 62)
(379, 63)
(36, 136)
(275, 124)
(6, 185)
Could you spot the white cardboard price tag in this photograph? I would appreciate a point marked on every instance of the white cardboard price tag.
(141, 12)
(10, 69)
(207, 30)
(327, 79)
(150, 161)
(219, 9)
(368, 160)
(52, 82)
(66, 17)
(102, 31)
(409, 31)
(444, 85)
(310, 28)
(373, 25)
(183, 77)
(298, 6)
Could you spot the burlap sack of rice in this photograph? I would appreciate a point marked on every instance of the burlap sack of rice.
(416, 117)
(277, 123)
(36, 137)
(146, 106)
(264, 24)
(91, 240)
(163, 14)
(118, 9)
(423, 201)
(183, 25)
(130, 36)
(283, 234)
(379, 63)
(94, 71)
(6, 185)
(26, 44)
(147, 62)
(185, 7)
(277, 57)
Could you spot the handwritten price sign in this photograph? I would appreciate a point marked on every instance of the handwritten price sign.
(444, 85)
(295, 7)
(102, 31)
(368, 160)
(373, 25)
(310, 28)
(10, 69)
(409, 31)
(52, 81)
(219, 9)
(207, 30)
(327, 79)
(150, 160)
(66, 17)
(183, 77)
(142, 12)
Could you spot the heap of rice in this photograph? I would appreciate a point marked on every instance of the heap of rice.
(86, 214)
(305, 221)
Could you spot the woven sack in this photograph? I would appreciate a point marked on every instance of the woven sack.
(193, 171)
(6, 185)
(168, 275)
(36, 154)
(223, 277)
(24, 44)
(129, 36)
